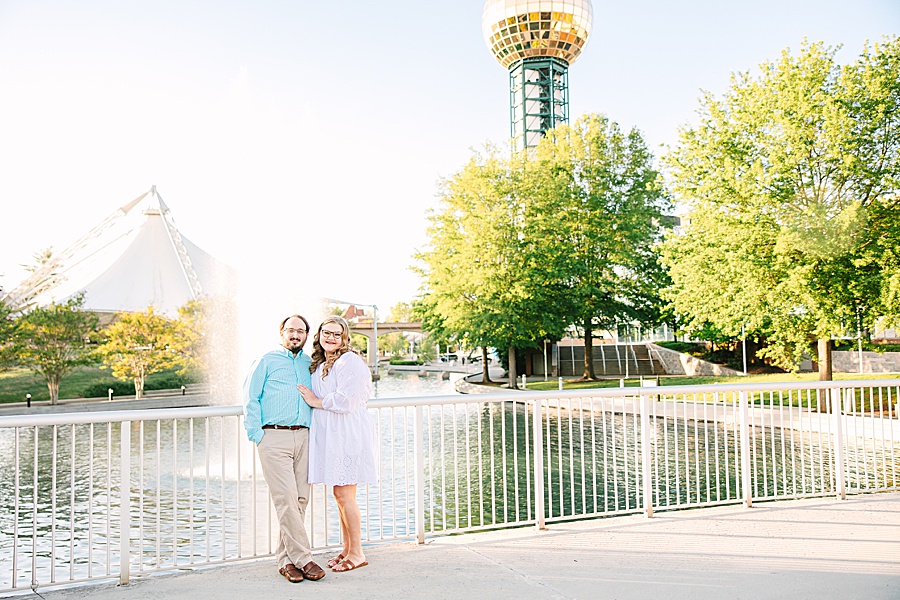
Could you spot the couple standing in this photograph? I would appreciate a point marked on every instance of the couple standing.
(308, 418)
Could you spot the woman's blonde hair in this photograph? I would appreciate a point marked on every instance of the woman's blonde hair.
(318, 354)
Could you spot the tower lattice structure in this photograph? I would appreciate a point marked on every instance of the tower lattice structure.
(537, 41)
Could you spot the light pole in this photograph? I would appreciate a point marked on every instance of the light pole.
(859, 337)
(744, 342)
(545, 360)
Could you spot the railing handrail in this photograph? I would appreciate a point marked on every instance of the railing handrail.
(500, 459)
(118, 416)
(151, 414)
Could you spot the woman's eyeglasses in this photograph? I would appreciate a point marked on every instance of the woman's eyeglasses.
(331, 335)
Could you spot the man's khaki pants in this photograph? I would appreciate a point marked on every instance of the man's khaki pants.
(284, 456)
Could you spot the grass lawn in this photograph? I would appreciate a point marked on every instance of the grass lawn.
(676, 380)
(14, 384)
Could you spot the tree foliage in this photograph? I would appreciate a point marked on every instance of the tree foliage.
(190, 337)
(8, 329)
(395, 344)
(792, 180)
(595, 213)
(523, 247)
(140, 343)
(52, 340)
(479, 286)
(402, 312)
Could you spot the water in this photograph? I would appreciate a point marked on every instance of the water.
(402, 384)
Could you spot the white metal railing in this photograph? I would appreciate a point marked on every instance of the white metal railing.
(195, 493)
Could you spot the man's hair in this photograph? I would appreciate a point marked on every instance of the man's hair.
(286, 319)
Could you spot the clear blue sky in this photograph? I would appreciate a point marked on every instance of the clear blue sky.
(323, 127)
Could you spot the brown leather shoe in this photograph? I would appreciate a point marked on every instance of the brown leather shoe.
(312, 571)
(291, 573)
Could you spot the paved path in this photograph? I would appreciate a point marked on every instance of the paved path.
(819, 549)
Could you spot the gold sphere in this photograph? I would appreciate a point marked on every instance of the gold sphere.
(519, 29)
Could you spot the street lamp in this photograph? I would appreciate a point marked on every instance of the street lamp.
(744, 341)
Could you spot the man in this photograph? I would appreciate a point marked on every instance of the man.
(277, 421)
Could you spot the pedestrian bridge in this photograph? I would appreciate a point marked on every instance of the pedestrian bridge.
(821, 548)
(368, 329)
(126, 494)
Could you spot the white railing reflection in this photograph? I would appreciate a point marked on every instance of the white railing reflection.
(195, 493)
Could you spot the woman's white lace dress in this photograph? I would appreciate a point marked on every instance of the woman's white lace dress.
(342, 448)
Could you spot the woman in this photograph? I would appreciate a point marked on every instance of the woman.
(341, 432)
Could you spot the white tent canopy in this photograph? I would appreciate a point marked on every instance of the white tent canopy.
(134, 259)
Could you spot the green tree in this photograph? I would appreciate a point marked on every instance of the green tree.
(402, 312)
(190, 337)
(52, 340)
(478, 285)
(792, 180)
(8, 330)
(426, 349)
(138, 344)
(594, 218)
(360, 343)
(394, 343)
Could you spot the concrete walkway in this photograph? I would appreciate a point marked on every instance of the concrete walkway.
(820, 548)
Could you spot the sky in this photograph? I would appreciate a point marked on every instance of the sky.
(303, 142)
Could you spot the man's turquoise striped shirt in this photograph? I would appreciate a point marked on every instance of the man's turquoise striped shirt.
(270, 392)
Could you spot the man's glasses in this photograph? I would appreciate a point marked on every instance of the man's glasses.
(331, 335)
(291, 330)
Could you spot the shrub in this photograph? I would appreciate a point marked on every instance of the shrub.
(691, 348)
(168, 380)
(405, 362)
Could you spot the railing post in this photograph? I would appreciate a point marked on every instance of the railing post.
(538, 463)
(645, 456)
(840, 463)
(125, 504)
(744, 407)
(419, 449)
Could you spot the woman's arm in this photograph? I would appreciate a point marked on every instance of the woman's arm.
(353, 385)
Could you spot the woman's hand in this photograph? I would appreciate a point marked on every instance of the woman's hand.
(309, 397)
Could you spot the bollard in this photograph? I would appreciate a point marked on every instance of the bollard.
(523, 381)
(110, 392)
(560, 384)
(621, 383)
(28, 400)
(183, 390)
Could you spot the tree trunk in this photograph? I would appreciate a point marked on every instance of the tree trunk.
(53, 387)
(138, 387)
(825, 370)
(513, 383)
(485, 376)
(588, 352)
(825, 373)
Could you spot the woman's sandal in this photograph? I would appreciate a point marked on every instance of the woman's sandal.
(347, 566)
(334, 561)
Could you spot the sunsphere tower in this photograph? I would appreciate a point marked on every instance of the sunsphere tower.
(536, 40)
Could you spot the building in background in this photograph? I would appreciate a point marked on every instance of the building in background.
(133, 259)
